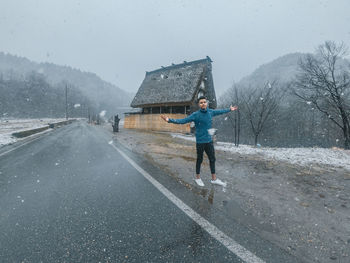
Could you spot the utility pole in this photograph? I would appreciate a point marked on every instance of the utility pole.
(237, 119)
(66, 102)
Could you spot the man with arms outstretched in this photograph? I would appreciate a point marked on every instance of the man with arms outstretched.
(203, 122)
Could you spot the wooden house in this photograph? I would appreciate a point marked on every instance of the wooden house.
(172, 91)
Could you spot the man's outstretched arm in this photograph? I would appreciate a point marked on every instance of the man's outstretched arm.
(219, 112)
(178, 121)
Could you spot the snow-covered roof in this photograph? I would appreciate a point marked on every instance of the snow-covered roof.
(176, 85)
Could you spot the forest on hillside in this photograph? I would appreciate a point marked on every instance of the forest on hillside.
(310, 108)
(34, 97)
(16, 71)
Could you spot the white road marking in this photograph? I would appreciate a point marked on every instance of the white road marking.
(228, 242)
(19, 146)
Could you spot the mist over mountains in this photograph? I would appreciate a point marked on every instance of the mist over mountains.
(85, 87)
(268, 95)
(282, 70)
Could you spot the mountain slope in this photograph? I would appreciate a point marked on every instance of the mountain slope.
(282, 70)
(105, 95)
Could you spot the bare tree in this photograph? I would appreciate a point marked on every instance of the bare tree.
(324, 81)
(259, 105)
(236, 122)
(231, 97)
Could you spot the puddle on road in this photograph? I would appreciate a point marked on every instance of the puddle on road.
(233, 210)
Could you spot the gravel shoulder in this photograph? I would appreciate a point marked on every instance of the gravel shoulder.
(303, 209)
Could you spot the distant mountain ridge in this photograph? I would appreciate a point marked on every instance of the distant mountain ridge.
(282, 70)
(106, 95)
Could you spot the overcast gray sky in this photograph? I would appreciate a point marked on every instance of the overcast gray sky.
(120, 40)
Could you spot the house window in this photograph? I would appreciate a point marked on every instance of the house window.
(200, 93)
(165, 109)
(178, 109)
(155, 110)
(146, 110)
(188, 110)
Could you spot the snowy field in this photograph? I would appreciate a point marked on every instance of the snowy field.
(9, 126)
(302, 156)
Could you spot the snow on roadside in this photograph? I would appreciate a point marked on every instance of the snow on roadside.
(6, 139)
(302, 156)
(9, 126)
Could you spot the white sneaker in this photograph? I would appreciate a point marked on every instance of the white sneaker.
(218, 182)
(199, 182)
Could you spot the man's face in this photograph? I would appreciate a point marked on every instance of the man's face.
(203, 104)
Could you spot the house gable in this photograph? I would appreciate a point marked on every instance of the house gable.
(177, 85)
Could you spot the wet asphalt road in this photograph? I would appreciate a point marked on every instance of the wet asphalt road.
(71, 197)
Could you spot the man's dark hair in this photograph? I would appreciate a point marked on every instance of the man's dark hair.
(202, 98)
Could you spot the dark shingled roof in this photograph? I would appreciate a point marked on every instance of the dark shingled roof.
(176, 85)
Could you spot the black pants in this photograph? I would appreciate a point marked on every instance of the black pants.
(209, 150)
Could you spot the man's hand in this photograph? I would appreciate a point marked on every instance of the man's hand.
(165, 118)
(233, 108)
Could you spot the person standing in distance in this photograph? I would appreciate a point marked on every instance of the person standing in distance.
(204, 142)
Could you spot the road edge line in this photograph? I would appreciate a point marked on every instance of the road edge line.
(225, 240)
(37, 137)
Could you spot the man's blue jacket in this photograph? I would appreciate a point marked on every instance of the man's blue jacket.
(203, 122)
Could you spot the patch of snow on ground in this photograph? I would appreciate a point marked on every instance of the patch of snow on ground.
(301, 156)
(7, 139)
(9, 126)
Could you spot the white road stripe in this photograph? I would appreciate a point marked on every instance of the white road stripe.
(19, 146)
(228, 242)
